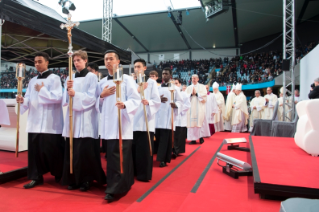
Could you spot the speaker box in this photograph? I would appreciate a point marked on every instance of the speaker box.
(286, 65)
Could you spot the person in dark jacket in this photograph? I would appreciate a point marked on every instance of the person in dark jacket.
(314, 91)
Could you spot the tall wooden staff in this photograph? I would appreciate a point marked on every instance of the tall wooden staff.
(20, 74)
(118, 79)
(172, 89)
(141, 82)
(69, 26)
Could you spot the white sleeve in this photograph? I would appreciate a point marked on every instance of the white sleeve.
(52, 96)
(26, 100)
(154, 103)
(133, 99)
(65, 96)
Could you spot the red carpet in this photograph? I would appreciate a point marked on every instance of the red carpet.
(217, 192)
(280, 161)
(9, 162)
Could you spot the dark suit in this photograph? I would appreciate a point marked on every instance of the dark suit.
(314, 94)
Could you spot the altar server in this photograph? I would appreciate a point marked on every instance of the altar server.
(211, 110)
(256, 107)
(196, 114)
(240, 111)
(229, 108)
(219, 117)
(180, 134)
(163, 118)
(45, 123)
(86, 147)
(270, 102)
(142, 159)
(117, 182)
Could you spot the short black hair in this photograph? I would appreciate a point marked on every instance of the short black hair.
(93, 66)
(42, 54)
(113, 51)
(168, 69)
(140, 60)
(179, 80)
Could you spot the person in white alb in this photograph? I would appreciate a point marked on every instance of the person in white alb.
(229, 108)
(270, 102)
(240, 111)
(257, 108)
(219, 117)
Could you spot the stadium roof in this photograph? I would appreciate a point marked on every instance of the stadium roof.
(246, 20)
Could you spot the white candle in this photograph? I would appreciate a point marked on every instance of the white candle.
(20, 71)
(99, 76)
(118, 74)
(140, 76)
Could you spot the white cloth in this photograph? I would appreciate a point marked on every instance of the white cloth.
(193, 133)
(269, 106)
(181, 119)
(4, 118)
(109, 112)
(257, 113)
(85, 116)
(228, 110)
(219, 117)
(211, 108)
(152, 95)
(240, 114)
(163, 115)
(45, 110)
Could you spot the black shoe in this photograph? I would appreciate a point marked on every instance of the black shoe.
(192, 142)
(57, 179)
(73, 187)
(85, 186)
(33, 183)
(162, 164)
(109, 197)
(201, 140)
(174, 155)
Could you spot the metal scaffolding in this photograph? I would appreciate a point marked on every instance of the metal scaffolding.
(1, 23)
(107, 20)
(289, 53)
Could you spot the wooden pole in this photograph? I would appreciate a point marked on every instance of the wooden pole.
(172, 119)
(71, 118)
(118, 98)
(146, 119)
(19, 87)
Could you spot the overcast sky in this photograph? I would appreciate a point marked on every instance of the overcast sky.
(93, 9)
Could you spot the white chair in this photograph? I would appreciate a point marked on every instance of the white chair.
(307, 134)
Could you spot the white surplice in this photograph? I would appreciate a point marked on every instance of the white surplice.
(151, 94)
(269, 106)
(85, 116)
(45, 109)
(228, 110)
(181, 119)
(109, 112)
(219, 117)
(257, 113)
(163, 115)
(211, 108)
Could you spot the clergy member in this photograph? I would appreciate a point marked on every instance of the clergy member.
(229, 108)
(256, 106)
(163, 118)
(240, 114)
(280, 112)
(270, 102)
(219, 117)
(208, 128)
(180, 134)
(117, 182)
(45, 123)
(196, 114)
(86, 146)
(142, 159)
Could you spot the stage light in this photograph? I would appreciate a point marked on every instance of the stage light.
(213, 7)
(245, 168)
(187, 12)
(67, 5)
(179, 19)
(234, 142)
(169, 14)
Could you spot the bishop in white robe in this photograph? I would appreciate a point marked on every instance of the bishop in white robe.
(280, 112)
(256, 106)
(164, 119)
(44, 124)
(270, 102)
(196, 114)
(86, 148)
(211, 110)
(240, 114)
(117, 182)
(229, 108)
(142, 158)
(219, 117)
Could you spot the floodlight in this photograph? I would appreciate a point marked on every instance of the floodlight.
(234, 142)
(67, 5)
(242, 168)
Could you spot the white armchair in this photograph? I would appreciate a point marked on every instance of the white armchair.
(307, 134)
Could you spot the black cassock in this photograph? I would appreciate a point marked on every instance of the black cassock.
(45, 154)
(142, 159)
(118, 183)
(86, 162)
(180, 136)
(164, 150)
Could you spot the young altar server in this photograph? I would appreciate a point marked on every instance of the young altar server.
(142, 159)
(86, 147)
(219, 117)
(180, 134)
(240, 111)
(229, 108)
(117, 182)
(45, 123)
(164, 118)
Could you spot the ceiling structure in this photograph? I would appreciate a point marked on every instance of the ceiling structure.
(246, 20)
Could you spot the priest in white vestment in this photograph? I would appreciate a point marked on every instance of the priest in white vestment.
(270, 103)
(229, 108)
(240, 115)
(280, 112)
(196, 114)
(256, 108)
(211, 110)
(219, 117)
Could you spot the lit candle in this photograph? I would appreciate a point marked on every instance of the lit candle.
(118, 74)
(140, 77)
(20, 71)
